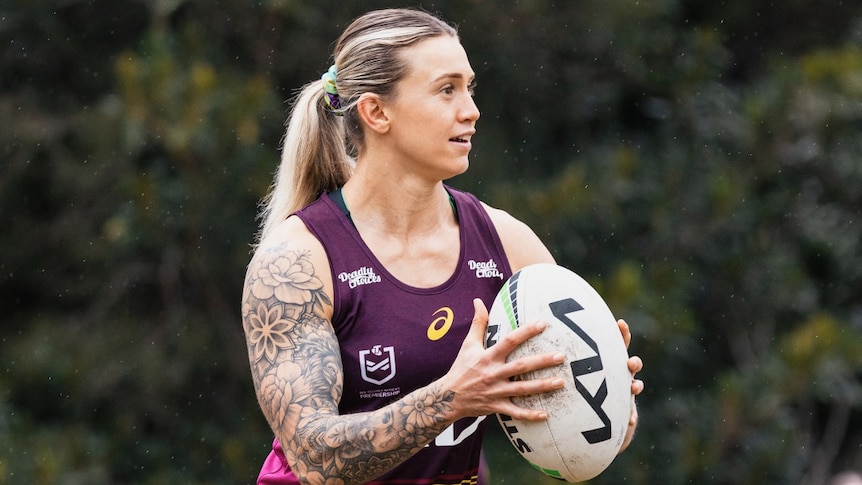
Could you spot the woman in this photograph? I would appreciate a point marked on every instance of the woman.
(365, 301)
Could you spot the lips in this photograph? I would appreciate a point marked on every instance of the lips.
(462, 138)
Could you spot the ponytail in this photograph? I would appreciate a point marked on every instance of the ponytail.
(314, 158)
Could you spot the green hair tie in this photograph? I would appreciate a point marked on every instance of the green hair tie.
(333, 101)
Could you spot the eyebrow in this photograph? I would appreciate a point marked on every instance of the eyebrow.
(452, 75)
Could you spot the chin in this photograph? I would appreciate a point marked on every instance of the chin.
(453, 168)
(462, 166)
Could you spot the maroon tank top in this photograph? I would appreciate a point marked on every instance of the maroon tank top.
(395, 338)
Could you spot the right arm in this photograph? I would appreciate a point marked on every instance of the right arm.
(297, 372)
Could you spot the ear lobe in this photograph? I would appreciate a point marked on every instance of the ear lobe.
(371, 110)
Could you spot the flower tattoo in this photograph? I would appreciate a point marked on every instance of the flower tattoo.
(269, 332)
(289, 277)
(424, 411)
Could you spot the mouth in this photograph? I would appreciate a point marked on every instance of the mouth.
(463, 138)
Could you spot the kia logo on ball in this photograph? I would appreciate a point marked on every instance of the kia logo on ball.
(560, 310)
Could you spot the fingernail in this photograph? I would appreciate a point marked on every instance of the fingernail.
(541, 325)
(559, 357)
(558, 383)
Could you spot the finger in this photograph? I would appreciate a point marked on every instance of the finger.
(635, 364)
(637, 386)
(527, 387)
(624, 329)
(523, 414)
(523, 365)
(516, 337)
(530, 387)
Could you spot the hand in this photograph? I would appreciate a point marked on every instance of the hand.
(635, 365)
(482, 379)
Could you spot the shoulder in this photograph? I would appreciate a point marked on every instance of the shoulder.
(290, 264)
(521, 244)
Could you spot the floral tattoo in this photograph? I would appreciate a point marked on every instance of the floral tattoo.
(296, 370)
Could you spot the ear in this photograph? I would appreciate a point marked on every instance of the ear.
(372, 111)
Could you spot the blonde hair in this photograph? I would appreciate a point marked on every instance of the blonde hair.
(319, 146)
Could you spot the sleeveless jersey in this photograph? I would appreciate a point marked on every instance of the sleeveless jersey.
(395, 338)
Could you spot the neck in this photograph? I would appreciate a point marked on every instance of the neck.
(397, 205)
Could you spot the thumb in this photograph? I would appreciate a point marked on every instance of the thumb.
(480, 320)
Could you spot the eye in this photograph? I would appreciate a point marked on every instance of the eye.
(471, 88)
(448, 89)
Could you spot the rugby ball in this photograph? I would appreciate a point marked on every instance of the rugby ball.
(588, 417)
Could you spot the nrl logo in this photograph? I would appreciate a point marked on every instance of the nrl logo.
(377, 364)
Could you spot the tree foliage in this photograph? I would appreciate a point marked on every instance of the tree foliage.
(697, 162)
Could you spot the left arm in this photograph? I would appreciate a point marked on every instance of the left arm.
(523, 247)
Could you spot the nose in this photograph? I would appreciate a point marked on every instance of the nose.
(469, 111)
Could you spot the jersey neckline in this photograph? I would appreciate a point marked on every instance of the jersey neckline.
(333, 198)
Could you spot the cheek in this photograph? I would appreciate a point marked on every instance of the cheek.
(428, 113)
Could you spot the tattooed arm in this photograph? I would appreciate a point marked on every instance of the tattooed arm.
(297, 374)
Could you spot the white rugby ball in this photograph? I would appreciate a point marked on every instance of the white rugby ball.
(588, 417)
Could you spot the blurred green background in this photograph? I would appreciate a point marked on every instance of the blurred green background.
(699, 162)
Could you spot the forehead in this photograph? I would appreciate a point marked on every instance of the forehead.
(431, 58)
